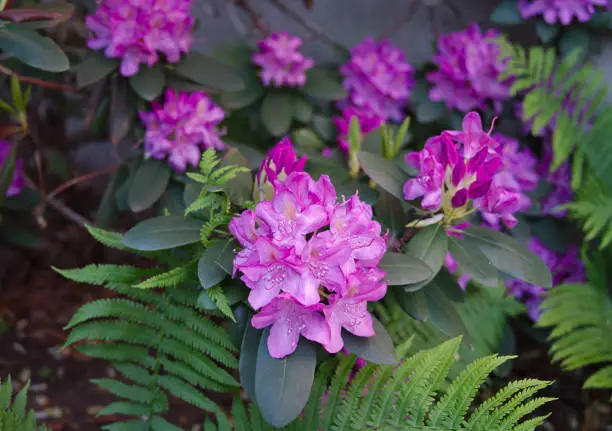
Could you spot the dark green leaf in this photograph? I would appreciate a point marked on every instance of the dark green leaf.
(240, 188)
(209, 72)
(552, 234)
(7, 171)
(276, 113)
(206, 302)
(378, 349)
(43, 15)
(212, 263)
(507, 13)
(449, 285)
(21, 236)
(372, 142)
(302, 110)
(324, 127)
(324, 85)
(282, 386)
(443, 312)
(248, 359)
(429, 244)
(383, 172)
(509, 256)
(122, 110)
(574, 39)
(547, 32)
(429, 111)
(33, 49)
(172, 201)
(306, 138)
(148, 83)
(242, 98)
(161, 233)
(473, 262)
(93, 68)
(413, 303)
(107, 208)
(389, 213)
(148, 185)
(209, 273)
(404, 269)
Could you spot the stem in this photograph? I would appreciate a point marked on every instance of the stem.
(36, 81)
(255, 18)
(157, 361)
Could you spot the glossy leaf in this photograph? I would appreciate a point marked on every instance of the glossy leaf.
(306, 138)
(162, 233)
(429, 244)
(282, 386)
(302, 110)
(429, 111)
(33, 49)
(213, 263)
(242, 98)
(248, 359)
(324, 85)
(413, 303)
(507, 13)
(404, 269)
(209, 72)
(324, 127)
(378, 349)
(389, 213)
(148, 83)
(121, 112)
(276, 113)
(472, 261)
(240, 188)
(509, 256)
(148, 185)
(443, 313)
(383, 172)
(546, 32)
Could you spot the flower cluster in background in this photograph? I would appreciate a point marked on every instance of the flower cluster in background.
(367, 120)
(17, 183)
(181, 128)
(136, 31)
(378, 79)
(469, 65)
(282, 64)
(310, 263)
(560, 183)
(563, 11)
(565, 267)
(459, 169)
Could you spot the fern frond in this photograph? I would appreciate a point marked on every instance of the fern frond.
(171, 278)
(216, 221)
(225, 174)
(99, 275)
(209, 161)
(108, 238)
(13, 413)
(218, 297)
(580, 318)
(593, 205)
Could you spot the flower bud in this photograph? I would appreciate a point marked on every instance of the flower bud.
(281, 161)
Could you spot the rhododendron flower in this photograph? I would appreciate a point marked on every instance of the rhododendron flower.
(180, 128)
(378, 79)
(18, 181)
(458, 170)
(281, 62)
(310, 263)
(469, 66)
(281, 161)
(136, 31)
(565, 267)
(367, 120)
(561, 10)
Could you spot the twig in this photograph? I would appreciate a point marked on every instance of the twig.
(36, 81)
(82, 178)
(255, 18)
(306, 23)
(401, 22)
(432, 23)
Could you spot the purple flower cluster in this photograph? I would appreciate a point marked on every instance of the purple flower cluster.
(310, 263)
(457, 168)
(281, 161)
(17, 183)
(561, 10)
(366, 119)
(378, 79)
(281, 62)
(469, 66)
(136, 31)
(565, 268)
(560, 181)
(181, 128)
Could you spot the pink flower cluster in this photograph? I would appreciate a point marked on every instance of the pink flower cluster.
(18, 182)
(311, 264)
(281, 62)
(378, 79)
(457, 168)
(138, 30)
(469, 66)
(181, 128)
(561, 10)
(281, 161)
(366, 119)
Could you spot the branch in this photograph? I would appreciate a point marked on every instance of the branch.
(401, 22)
(255, 18)
(36, 81)
(82, 178)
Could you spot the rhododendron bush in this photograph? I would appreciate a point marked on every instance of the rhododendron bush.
(296, 213)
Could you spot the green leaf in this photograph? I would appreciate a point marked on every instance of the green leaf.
(509, 256)
(404, 269)
(282, 386)
(6, 107)
(7, 171)
(93, 68)
(324, 85)
(162, 233)
(122, 110)
(248, 359)
(242, 98)
(377, 349)
(276, 113)
(429, 244)
(302, 110)
(209, 72)
(306, 138)
(148, 83)
(413, 303)
(443, 313)
(383, 172)
(33, 49)
(429, 111)
(148, 185)
(574, 39)
(16, 94)
(324, 127)
(221, 302)
(240, 188)
(210, 271)
(472, 261)
(546, 32)
(389, 213)
(507, 13)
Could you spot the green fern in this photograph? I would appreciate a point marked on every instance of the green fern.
(593, 205)
(580, 316)
(408, 397)
(159, 340)
(13, 413)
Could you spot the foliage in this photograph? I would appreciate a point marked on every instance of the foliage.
(409, 396)
(13, 413)
(579, 315)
